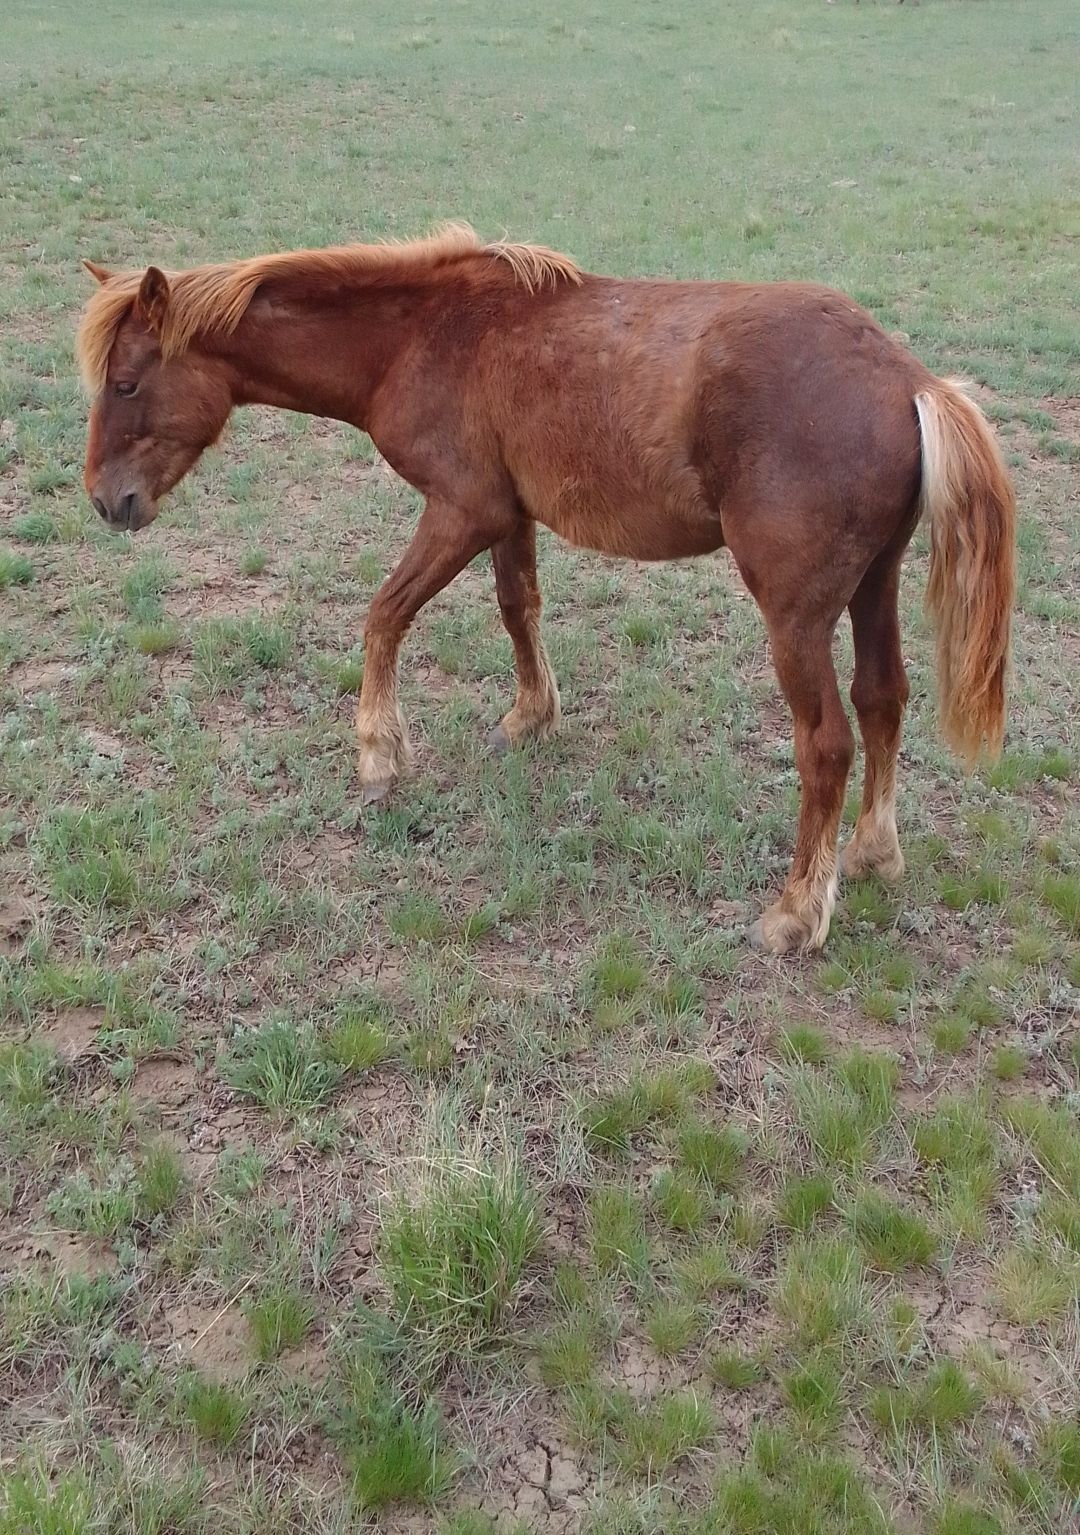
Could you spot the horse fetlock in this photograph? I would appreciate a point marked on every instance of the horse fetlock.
(800, 918)
(874, 852)
(778, 931)
(384, 757)
(534, 718)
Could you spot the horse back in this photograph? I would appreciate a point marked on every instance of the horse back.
(631, 412)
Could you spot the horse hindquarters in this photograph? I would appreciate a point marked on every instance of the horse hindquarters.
(826, 504)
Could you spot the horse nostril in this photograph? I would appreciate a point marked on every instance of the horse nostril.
(99, 507)
(126, 511)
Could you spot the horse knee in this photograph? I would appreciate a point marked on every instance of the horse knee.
(830, 749)
(835, 750)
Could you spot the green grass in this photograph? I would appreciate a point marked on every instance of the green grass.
(734, 1371)
(892, 1237)
(959, 1147)
(804, 1200)
(156, 639)
(31, 1502)
(645, 1438)
(843, 1113)
(358, 1038)
(713, 1156)
(707, 1269)
(279, 1320)
(680, 1201)
(160, 1181)
(671, 1325)
(943, 1398)
(280, 1065)
(15, 569)
(397, 1450)
(119, 859)
(804, 1042)
(787, 1485)
(821, 1292)
(1061, 1455)
(35, 528)
(814, 1391)
(618, 969)
(106, 1205)
(229, 650)
(454, 1249)
(350, 1156)
(566, 1355)
(617, 1240)
(1033, 1285)
(649, 1099)
(215, 1411)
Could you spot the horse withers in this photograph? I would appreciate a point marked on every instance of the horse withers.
(653, 420)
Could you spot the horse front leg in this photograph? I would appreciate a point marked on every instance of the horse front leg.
(536, 710)
(446, 539)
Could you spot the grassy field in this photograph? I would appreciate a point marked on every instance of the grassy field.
(455, 1165)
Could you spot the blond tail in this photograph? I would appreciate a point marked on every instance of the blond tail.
(968, 494)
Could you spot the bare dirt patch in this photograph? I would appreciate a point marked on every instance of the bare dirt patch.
(17, 916)
(72, 1033)
(164, 1081)
(215, 1339)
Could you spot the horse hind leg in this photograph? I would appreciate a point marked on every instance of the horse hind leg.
(879, 692)
(824, 750)
(536, 710)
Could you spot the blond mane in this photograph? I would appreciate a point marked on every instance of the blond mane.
(214, 299)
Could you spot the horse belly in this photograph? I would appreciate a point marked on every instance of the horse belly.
(632, 526)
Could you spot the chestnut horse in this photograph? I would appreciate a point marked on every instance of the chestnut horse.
(654, 420)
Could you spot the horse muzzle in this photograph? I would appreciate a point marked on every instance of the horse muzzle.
(125, 514)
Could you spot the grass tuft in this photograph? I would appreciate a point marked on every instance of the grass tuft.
(736, 1371)
(803, 1199)
(566, 1355)
(671, 1325)
(358, 1038)
(618, 970)
(216, 1412)
(821, 1291)
(892, 1237)
(943, 1398)
(680, 1201)
(617, 1237)
(15, 569)
(279, 1064)
(714, 1156)
(804, 1042)
(1035, 1285)
(279, 1319)
(453, 1249)
(394, 1446)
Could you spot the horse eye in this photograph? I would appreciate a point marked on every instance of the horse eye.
(126, 390)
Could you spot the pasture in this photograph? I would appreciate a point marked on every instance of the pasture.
(453, 1164)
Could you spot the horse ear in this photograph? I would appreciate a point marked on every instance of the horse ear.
(152, 300)
(102, 273)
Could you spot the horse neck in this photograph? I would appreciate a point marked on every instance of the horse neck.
(322, 356)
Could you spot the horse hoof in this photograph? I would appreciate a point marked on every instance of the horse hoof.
(499, 741)
(376, 793)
